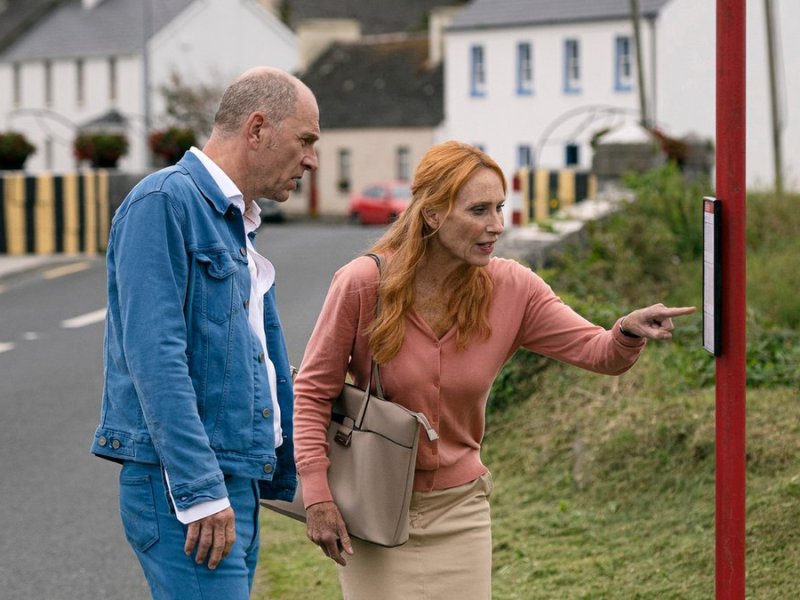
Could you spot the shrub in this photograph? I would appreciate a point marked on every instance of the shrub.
(102, 150)
(171, 144)
(14, 150)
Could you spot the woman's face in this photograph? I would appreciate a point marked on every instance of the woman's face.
(468, 234)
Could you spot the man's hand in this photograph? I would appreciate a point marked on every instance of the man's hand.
(215, 533)
(326, 528)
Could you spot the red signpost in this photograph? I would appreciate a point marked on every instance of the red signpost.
(730, 364)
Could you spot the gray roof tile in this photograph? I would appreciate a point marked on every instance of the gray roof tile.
(481, 14)
(113, 27)
(377, 84)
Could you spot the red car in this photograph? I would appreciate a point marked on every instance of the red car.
(380, 203)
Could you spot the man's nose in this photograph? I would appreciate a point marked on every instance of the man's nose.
(311, 161)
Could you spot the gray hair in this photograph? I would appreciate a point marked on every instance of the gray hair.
(272, 92)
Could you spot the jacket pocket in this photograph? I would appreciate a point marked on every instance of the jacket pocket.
(138, 511)
(217, 269)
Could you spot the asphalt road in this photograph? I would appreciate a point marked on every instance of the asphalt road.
(60, 535)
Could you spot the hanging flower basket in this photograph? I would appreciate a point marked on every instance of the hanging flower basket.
(14, 150)
(102, 150)
(172, 143)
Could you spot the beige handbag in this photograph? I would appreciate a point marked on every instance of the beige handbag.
(372, 447)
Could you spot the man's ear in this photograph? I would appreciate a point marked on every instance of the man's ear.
(256, 127)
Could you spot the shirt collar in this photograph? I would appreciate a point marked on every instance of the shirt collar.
(252, 214)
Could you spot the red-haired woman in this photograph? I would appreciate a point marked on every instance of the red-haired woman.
(451, 316)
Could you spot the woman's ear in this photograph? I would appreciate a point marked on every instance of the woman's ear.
(431, 217)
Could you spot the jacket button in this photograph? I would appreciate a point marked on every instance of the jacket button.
(115, 444)
(246, 304)
(267, 468)
(102, 440)
(243, 251)
(267, 413)
(261, 357)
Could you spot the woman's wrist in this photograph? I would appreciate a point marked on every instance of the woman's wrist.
(625, 332)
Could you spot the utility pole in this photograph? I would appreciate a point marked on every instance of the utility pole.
(147, 20)
(777, 153)
(637, 36)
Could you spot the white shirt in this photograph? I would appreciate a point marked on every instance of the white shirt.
(262, 276)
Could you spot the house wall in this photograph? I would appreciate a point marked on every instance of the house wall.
(502, 119)
(680, 79)
(51, 126)
(211, 42)
(687, 82)
(373, 156)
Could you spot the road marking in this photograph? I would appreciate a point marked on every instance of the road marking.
(83, 320)
(66, 270)
(6, 346)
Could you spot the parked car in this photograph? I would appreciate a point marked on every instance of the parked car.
(380, 203)
(271, 211)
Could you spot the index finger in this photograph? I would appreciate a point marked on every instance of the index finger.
(678, 311)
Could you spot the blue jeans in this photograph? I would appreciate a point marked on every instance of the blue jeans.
(157, 538)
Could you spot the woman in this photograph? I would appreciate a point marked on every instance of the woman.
(450, 317)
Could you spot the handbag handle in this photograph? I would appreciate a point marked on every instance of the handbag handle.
(374, 372)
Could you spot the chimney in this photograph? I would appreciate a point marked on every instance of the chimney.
(315, 35)
(440, 18)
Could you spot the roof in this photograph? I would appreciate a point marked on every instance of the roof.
(17, 16)
(377, 83)
(375, 16)
(481, 14)
(113, 27)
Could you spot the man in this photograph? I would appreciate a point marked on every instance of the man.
(197, 401)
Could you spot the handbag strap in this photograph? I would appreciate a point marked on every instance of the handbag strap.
(374, 372)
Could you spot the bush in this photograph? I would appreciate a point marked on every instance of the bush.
(102, 150)
(651, 251)
(14, 150)
(171, 144)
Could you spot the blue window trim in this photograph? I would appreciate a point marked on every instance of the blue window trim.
(524, 88)
(524, 149)
(570, 89)
(477, 90)
(619, 86)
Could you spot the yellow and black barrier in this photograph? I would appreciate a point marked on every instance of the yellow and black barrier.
(46, 214)
(543, 192)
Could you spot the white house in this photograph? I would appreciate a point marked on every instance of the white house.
(86, 58)
(531, 81)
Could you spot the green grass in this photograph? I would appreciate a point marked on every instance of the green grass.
(604, 486)
(604, 491)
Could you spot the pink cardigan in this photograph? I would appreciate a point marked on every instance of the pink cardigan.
(429, 375)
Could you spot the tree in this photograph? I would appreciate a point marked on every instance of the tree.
(191, 106)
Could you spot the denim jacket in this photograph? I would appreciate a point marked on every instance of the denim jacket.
(185, 384)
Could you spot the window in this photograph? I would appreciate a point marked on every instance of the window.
(17, 84)
(524, 156)
(477, 72)
(572, 154)
(524, 69)
(112, 79)
(623, 66)
(572, 67)
(48, 83)
(403, 163)
(343, 160)
(79, 82)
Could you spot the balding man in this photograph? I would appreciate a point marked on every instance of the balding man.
(197, 399)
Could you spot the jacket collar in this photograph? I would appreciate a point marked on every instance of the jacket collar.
(204, 182)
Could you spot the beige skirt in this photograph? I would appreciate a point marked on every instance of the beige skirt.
(448, 554)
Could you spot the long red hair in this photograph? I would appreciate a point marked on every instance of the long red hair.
(440, 175)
